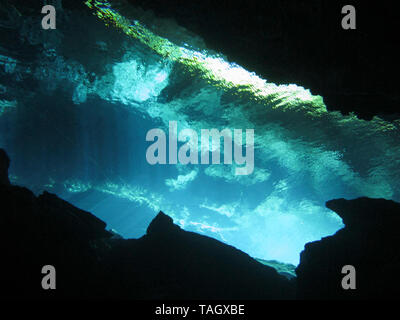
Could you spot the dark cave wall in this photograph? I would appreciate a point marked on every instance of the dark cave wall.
(302, 42)
(296, 41)
(91, 262)
(170, 263)
(369, 243)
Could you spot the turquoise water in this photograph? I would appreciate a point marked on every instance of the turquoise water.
(74, 117)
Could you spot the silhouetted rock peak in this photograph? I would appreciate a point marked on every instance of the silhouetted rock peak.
(4, 165)
(162, 223)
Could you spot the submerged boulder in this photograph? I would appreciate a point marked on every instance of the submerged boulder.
(369, 242)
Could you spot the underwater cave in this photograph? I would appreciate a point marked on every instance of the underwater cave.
(75, 112)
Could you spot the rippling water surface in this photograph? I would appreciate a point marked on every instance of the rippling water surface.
(76, 104)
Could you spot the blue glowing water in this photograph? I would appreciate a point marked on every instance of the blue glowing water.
(80, 132)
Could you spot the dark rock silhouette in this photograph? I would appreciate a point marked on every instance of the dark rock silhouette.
(90, 262)
(285, 42)
(369, 242)
(170, 263)
(162, 224)
(303, 42)
(4, 165)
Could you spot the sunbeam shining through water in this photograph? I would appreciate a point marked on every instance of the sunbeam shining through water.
(83, 128)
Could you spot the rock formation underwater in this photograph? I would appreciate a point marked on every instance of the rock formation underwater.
(170, 263)
(76, 104)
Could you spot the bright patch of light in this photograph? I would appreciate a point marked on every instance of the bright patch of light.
(136, 83)
(213, 68)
